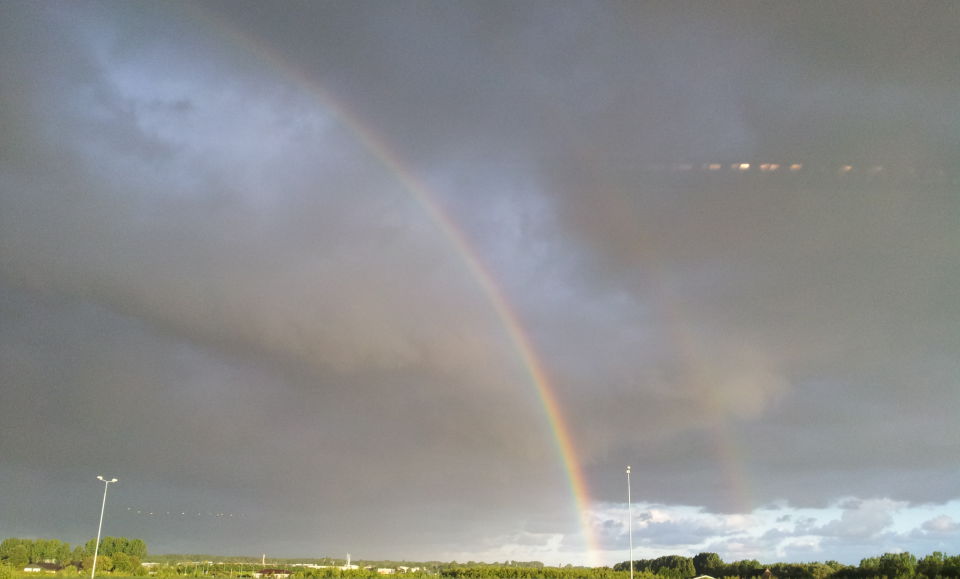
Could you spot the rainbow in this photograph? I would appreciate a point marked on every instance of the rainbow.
(679, 333)
(379, 149)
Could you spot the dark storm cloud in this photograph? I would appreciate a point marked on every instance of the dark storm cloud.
(182, 313)
(211, 286)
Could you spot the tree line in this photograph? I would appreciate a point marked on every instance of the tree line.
(123, 556)
(118, 554)
(887, 566)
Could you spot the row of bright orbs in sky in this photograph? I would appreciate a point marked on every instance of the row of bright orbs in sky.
(798, 168)
(149, 513)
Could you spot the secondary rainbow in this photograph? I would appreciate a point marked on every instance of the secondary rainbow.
(377, 146)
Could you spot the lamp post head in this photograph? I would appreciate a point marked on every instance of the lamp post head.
(628, 470)
(113, 480)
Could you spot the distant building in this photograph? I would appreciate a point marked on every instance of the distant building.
(272, 573)
(42, 568)
(386, 571)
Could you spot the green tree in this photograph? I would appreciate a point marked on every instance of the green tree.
(707, 563)
(7, 546)
(931, 565)
(62, 553)
(820, 570)
(104, 562)
(870, 565)
(110, 546)
(76, 557)
(896, 565)
(951, 566)
(673, 566)
(49, 551)
(137, 548)
(122, 563)
(19, 556)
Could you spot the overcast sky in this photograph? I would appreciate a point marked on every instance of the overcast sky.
(231, 276)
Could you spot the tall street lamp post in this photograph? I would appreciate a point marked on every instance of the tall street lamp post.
(629, 521)
(96, 548)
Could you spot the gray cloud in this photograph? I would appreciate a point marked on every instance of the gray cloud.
(859, 520)
(677, 533)
(211, 284)
(942, 526)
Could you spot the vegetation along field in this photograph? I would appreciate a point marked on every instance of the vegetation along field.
(123, 557)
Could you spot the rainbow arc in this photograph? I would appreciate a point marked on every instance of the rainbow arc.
(379, 149)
